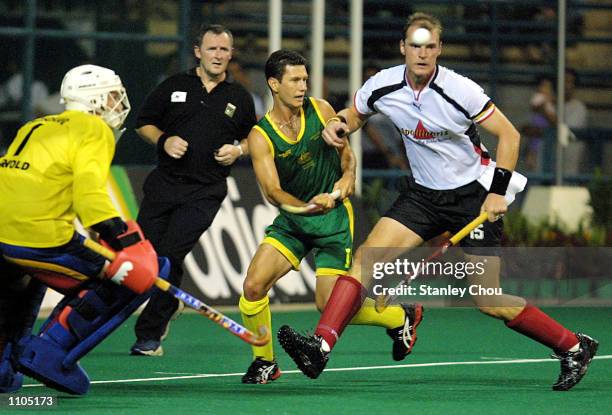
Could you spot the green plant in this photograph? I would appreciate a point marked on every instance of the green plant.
(518, 231)
(600, 190)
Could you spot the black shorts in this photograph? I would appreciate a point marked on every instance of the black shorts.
(430, 213)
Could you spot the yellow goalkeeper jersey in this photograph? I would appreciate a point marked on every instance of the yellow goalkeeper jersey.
(55, 169)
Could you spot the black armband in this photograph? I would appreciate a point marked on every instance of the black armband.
(109, 231)
(160, 143)
(501, 180)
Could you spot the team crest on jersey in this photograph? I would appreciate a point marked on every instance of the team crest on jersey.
(230, 109)
(178, 96)
(305, 160)
(285, 154)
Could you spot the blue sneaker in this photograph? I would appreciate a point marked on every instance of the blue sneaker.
(153, 347)
(147, 348)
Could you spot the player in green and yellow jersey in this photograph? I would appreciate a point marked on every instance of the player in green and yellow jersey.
(294, 166)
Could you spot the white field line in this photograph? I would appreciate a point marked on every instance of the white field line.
(337, 369)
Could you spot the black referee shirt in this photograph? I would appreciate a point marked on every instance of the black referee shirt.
(181, 106)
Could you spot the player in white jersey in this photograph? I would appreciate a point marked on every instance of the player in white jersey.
(437, 130)
(436, 111)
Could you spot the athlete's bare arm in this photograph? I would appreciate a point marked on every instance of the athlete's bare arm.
(175, 146)
(509, 138)
(267, 175)
(506, 157)
(346, 184)
(150, 133)
(336, 128)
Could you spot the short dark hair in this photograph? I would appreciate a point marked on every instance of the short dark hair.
(572, 72)
(216, 29)
(544, 77)
(276, 63)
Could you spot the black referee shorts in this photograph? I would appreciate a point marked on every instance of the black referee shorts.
(430, 213)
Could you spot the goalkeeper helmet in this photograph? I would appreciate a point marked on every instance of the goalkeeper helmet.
(96, 90)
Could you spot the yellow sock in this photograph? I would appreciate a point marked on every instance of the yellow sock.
(255, 314)
(391, 317)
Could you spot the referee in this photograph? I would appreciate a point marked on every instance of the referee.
(194, 119)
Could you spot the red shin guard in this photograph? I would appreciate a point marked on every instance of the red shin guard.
(535, 324)
(344, 302)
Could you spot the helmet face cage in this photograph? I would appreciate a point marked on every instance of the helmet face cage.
(115, 116)
(96, 90)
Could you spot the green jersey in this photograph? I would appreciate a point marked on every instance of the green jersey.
(306, 166)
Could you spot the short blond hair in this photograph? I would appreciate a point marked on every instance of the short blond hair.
(423, 20)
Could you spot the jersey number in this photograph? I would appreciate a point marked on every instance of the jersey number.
(25, 140)
(478, 233)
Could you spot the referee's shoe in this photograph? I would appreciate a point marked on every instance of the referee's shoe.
(153, 347)
(404, 337)
(574, 365)
(306, 351)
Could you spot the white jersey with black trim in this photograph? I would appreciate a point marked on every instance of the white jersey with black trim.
(437, 123)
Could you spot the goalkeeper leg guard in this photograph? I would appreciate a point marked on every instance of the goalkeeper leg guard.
(76, 327)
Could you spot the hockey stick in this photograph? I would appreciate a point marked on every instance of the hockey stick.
(382, 301)
(301, 210)
(192, 302)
